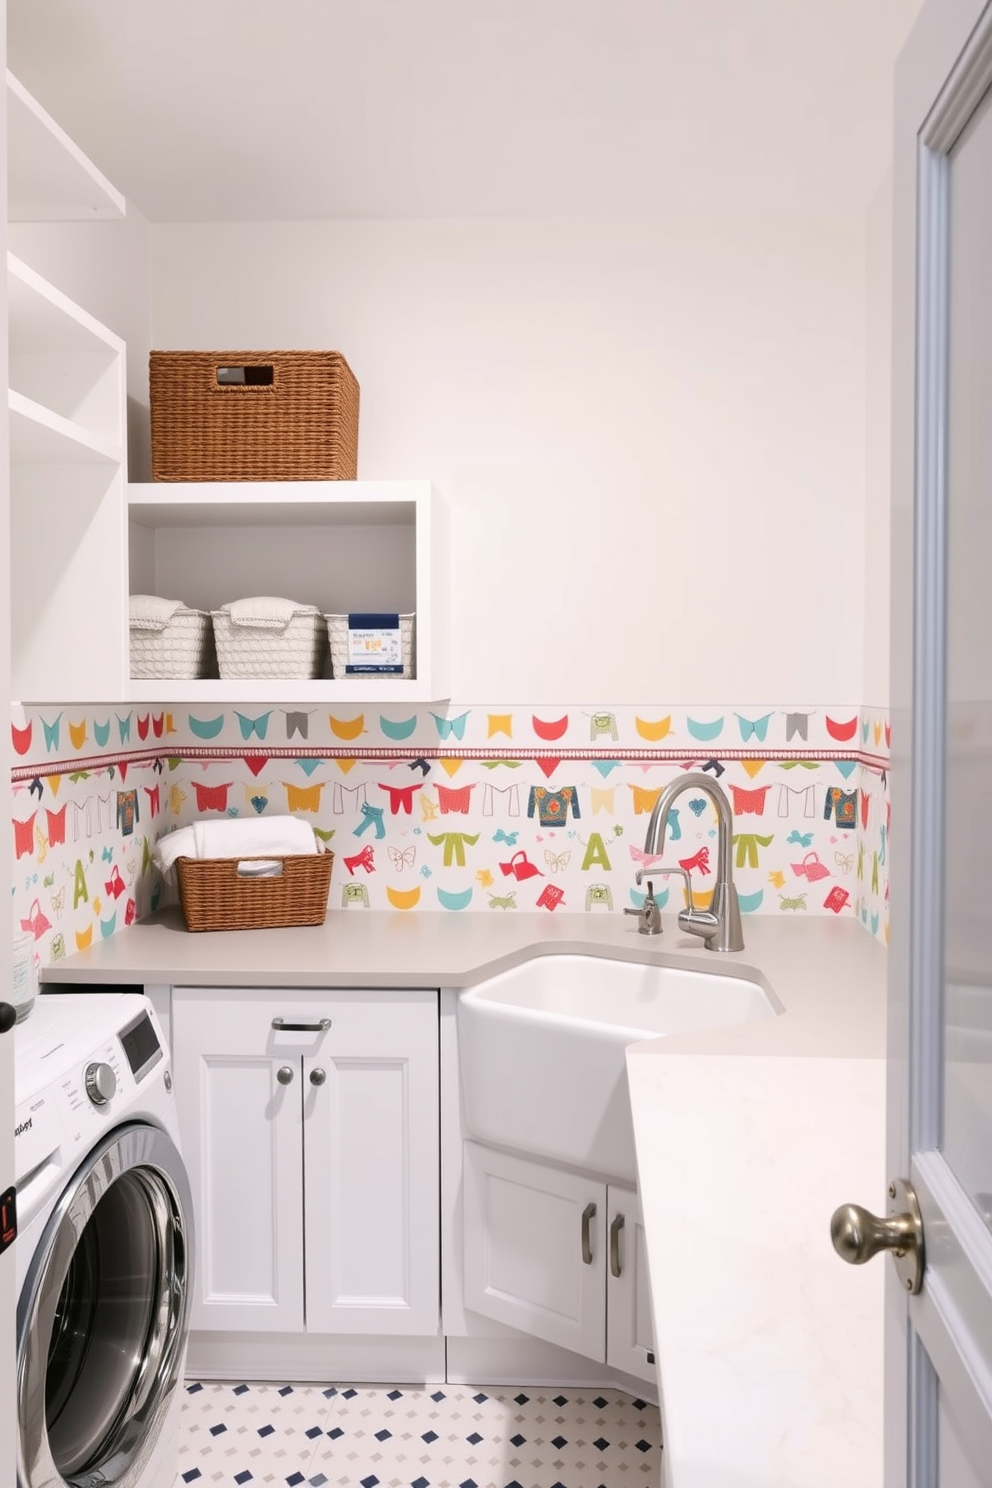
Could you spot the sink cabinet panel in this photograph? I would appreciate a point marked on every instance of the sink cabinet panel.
(629, 1320)
(523, 1259)
(525, 1265)
(315, 1199)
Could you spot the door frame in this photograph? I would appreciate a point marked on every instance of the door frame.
(937, 89)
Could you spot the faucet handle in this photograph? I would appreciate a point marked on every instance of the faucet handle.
(664, 868)
(649, 914)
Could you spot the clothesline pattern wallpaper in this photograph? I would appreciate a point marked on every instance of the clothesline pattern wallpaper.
(468, 810)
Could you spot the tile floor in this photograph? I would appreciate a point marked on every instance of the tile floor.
(445, 1436)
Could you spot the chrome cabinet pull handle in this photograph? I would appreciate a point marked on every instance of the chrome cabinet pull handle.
(281, 1026)
(317, 1076)
(285, 1074)
(615, 1229)
(588, 1215)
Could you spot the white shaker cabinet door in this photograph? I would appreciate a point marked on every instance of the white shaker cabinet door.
(371, 1168)
(629, 1326)
(241, 1114)
(535, 1249)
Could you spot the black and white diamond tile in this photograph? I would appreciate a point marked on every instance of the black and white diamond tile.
(446, 1436)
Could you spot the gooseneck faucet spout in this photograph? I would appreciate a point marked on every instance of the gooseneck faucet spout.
(720, 925)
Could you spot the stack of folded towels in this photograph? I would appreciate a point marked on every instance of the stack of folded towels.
(234, 837)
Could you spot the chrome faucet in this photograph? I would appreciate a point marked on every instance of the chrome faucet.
(720, 925)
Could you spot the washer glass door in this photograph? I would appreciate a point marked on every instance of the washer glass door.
(103, 1315)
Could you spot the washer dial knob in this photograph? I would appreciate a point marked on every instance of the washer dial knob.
(101, 1083)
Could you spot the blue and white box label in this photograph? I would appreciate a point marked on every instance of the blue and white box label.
(374, 644)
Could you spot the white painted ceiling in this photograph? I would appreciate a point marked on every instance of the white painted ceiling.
(207, 110)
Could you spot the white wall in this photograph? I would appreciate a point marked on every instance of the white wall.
(651, 433)
(878, 445)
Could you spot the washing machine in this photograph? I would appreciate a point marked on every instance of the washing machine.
(104, 1253)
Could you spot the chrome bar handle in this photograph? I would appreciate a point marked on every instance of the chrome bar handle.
(588, 1215)
(281, 1026)
(615, 1228)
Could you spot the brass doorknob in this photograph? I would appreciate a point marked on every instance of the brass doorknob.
(858, 1235)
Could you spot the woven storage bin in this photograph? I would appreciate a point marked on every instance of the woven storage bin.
(215, 896)
(298, 649)
(183, 646)
(300, 425)
(337, 634)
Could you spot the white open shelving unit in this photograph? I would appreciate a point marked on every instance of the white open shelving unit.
(82, 540)
(341, 545)
(66, 404)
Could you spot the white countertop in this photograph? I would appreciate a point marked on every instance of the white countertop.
(769, 1349)
(826, 974)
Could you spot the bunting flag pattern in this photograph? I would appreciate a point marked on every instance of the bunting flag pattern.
(475, 809)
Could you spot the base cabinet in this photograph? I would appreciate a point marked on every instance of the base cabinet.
(558, 1256)
(309, 1123)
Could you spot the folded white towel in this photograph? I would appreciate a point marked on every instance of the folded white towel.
(173, 845)
(236, 837)
(150, 612)
(266, 611)
(243, 837)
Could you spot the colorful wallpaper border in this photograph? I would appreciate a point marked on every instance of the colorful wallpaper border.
(472, 810)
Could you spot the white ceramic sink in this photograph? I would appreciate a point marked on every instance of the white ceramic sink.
(541, 1049)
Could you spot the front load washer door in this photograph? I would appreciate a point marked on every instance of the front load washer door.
(103, 1316)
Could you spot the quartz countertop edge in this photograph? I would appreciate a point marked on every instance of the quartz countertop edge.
(825, 977)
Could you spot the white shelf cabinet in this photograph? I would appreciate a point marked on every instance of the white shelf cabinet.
(66, 404)
(342, 545)
(559, 1256)
(313, 1158)
(82, 540)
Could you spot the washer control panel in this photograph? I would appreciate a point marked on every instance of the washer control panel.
(82, 1063)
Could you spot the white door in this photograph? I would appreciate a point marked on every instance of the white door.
(7, 1294)
(939, 1342)
(372, 1167)
(239, 1092)
(535, 1249)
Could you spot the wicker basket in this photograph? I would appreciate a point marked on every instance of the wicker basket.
(297, 649)
(253, 415)
(337, 634)
(179, 647)
(215, 896)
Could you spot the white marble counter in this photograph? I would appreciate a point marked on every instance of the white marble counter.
(747, 1140)
(769, 1349)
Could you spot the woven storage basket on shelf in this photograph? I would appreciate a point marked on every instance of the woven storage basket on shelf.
(297, 650)
(180, 647)
(337, 634)
(215, 896)
(293, 417)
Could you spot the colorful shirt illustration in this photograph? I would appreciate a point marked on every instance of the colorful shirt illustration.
(842, 806)
(553, 806)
